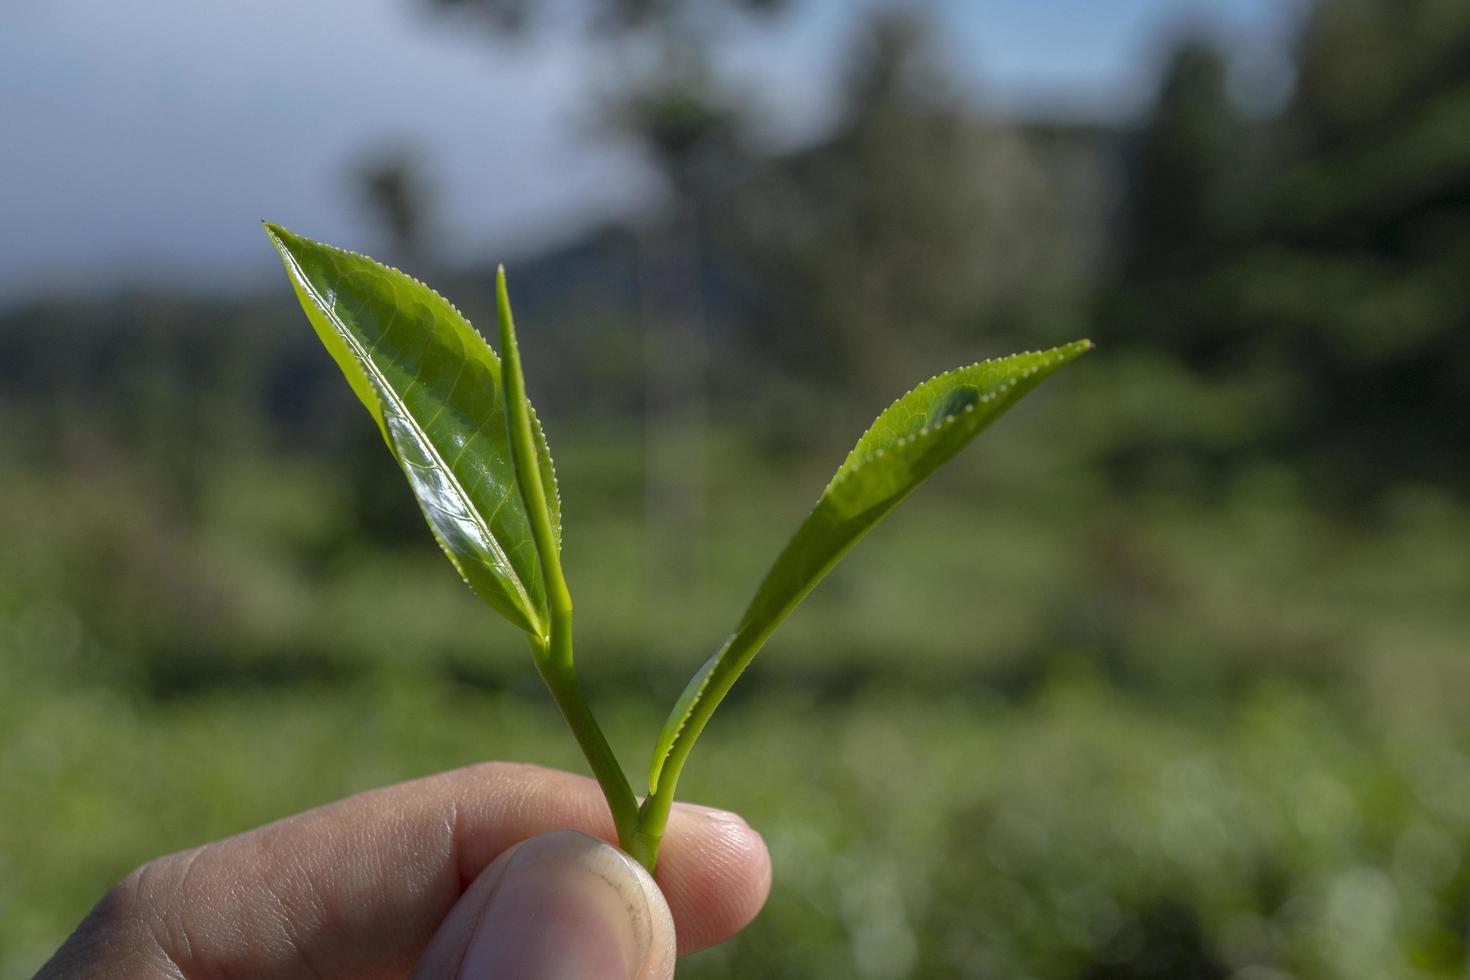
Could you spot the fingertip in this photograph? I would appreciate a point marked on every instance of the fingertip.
(564, 904)
(715, 870)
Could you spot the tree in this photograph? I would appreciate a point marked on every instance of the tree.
(916, 229)
(677, 111)
(1322, 253)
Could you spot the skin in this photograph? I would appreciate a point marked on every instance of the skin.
(417, 879)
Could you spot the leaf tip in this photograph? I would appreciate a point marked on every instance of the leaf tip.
(278, 235)
(506, 319)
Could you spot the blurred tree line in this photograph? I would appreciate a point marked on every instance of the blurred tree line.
(1323, 251)
(1314, 258)
(1287, 288)
(1311, 261)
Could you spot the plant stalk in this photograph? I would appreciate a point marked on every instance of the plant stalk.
(561, 680)
(553, 652)
(653, 815)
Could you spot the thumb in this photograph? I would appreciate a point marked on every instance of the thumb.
(562, 905)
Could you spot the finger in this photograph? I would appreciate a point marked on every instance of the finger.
(559, 905)
(357, 888)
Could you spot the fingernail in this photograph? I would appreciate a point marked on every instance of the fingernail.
(568, 905)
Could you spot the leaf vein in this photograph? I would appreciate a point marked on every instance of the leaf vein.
(385, 391)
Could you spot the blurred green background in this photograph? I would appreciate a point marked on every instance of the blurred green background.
(1165, 677)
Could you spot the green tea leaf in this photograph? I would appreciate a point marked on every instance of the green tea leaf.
(433, 385)
(911, 439)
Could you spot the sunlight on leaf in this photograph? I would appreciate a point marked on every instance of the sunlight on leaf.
(908, 441)
(433, 385)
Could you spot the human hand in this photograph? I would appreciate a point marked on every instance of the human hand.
(482, 872)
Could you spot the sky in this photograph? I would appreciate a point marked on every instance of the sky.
(144, 141)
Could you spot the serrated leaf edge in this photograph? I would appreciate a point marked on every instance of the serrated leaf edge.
(270, 229)
(850, 466)
(380, 386)
(538, 429)
(848, 469)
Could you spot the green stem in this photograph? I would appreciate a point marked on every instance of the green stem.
(553, 652)
(561, 680)
(653, 815)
